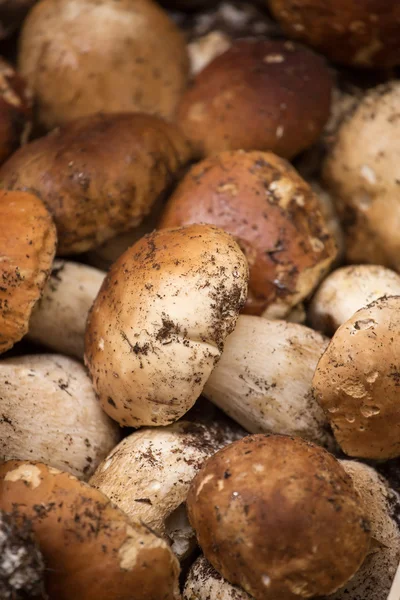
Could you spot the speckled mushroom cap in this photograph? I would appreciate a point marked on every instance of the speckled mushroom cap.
(274, 216)
(205, 583)
(27, 248)
(279, 517)
(357, 381)
(361, 171)
(259, 95)
(83, 57)
(91, 549)
(362, 33)
(158, 325)
(99, 175)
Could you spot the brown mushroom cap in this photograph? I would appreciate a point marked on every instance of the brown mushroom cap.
(91, 549)
(363, 33)
(357, 381)
(27, 248)
(12, 13)
(98, 175)
(158, 325)
(279, 517)
(259, 95)
(84, 57)
(272, 213)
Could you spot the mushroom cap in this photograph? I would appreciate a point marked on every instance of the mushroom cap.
(50, 413)
(91, 549)
(357, 379)
(99, 175)
(259, 95)
(272, 213)
(264, 379)
(12, 13)
(361, 171)
(362, 33)
(83, 57)
(158, 325)
(27, 247)
(64, 307)
(348, 289)
(205, 583)
(279, 517)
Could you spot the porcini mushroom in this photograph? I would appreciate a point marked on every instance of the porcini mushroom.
(87, 57)
(99, 175)
(205, 583)
(317, 530)
(357, 378)
(91, 549)
(273, 215)
(158, 325)
(49, 412)
(27, 248)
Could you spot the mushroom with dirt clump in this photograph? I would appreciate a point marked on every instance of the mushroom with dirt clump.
(357, 380)
(158, 325)
(205, 583)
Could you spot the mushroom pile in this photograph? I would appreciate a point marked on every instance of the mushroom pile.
(199, 300)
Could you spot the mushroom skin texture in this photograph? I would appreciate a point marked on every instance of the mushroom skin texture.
(374, 578)
(58, 320)
(259, 95)
(301, 496)
(99, 175)
(83, 57)
(361, 171)
(360, 33)
(27, 248)
(12, 13)
(348, 289)
(158, 325)
(50, 413)
(148, 474)
(272, 213)
(357, 378)
(264, 379)
(91, 549)
(205, 583)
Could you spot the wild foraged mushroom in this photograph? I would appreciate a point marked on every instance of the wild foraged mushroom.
(91, 549)
(158, 325)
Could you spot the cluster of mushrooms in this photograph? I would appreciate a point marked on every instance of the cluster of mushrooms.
(200, 340)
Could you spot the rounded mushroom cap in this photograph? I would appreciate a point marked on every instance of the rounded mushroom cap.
(83, 57)
(356, 381)
(50, 413)
(27, 247)
(348, 289)
(205, 583)
(91, 549)
(362, 33)
(318, 535)
(12, 13)
(361, 170)
(99, 175)
(159, 322)
(259, 95)
(273, 215)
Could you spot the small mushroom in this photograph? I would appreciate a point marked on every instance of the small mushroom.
(348, 289)
(361, 33)
(27, 248)
(273, 215)
(12, 13)
(158, 325)
(49, 412)
(99, 175)
(149, 473)
(205, 583)
(279, 517)
(357, 379)
(264, 379)
(58, 320)
(361, 172)
(91, 549)
(87, 57)
(259, 95)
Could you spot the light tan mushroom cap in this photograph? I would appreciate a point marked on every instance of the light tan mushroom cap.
(158, 325)
(49, 412)
(205, 583)
(357, 381)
